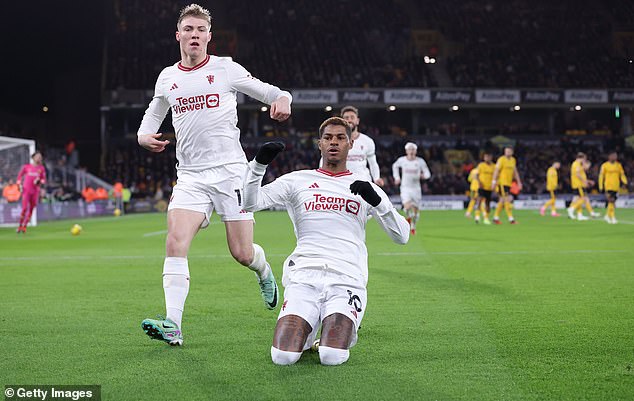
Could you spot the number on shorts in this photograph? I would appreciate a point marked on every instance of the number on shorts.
(239, 197)
(355, 301)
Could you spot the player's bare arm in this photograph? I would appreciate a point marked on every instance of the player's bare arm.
(281, 109)
(152, 143)
(517, 178)
(494, 182)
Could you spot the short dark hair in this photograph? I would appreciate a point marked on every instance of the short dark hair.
(349, 108)
(335, 121)
(35, 153)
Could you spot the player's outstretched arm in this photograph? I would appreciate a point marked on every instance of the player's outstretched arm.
(256, 196)
(386, 215)
(243, 81)
(268, 152)
(152, 143)
(425, 172)
(281, 109)
(396, 173)
(375, 171)
(601, 177)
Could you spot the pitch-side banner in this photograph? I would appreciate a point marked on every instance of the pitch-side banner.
(407, 96)
(586, 96)
(361, 96)
(497, 96)
(457, 96)
(316, 96)
(536, 204)
(542, 96)
(622, 96)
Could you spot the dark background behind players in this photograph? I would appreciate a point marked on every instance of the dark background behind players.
(64, 55)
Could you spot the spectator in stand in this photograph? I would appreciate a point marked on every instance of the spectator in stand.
(101, 194)
(88, 194)
(11, 192)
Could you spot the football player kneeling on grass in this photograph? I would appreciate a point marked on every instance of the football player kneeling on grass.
(325, 277)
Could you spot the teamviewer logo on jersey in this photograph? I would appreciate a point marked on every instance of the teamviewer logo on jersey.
(213, 100)
(192, 103)
(321, 203)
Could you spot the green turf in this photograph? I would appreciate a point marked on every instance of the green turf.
(539, 311)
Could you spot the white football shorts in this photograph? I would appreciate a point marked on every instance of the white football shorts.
(413, 195)
(218, 188)
(314, 294)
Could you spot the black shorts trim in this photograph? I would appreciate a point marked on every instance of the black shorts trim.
(503, 190)
(611, 194)
(486, 194)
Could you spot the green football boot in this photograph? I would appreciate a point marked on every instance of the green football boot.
(269, 291)
(163, 330)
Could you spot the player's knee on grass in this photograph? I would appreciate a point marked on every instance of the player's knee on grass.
(337, 331)
(333, 356)
(291, 333)
(280, 357)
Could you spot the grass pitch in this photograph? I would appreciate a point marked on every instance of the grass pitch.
(539, 311)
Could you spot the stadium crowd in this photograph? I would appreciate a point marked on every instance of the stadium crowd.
(152, 175)
(370, 44)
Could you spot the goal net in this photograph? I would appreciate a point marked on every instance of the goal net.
(14, 153)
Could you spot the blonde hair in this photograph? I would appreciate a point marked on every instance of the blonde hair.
(194, 10)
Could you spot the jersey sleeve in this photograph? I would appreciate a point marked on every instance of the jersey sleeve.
(424, 168)
(375, 171)
(21, 174)
(156, 111)
(242, 81)
(622, 174)
(395, 173)
(42, 175)
(390, 219)
(257, 197)
(601, 177)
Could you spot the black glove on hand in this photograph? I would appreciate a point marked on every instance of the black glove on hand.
(268, 151)
(366, 191)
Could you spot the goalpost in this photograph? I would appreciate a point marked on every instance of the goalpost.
(14, 153)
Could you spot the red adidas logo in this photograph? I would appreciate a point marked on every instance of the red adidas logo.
(314, 185)
(174, 86)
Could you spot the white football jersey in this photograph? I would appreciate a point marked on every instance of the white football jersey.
(412, 171)
(203, 103)
(329, 221)
(360, 157)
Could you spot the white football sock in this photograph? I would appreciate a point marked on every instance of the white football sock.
(280, 357)
(175, 287)
(415, 219)
(333, 356)
(259, 265)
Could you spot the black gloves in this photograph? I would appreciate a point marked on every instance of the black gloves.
(268, 151)
(366, 191)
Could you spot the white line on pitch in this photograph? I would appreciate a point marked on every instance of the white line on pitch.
(580, 251)
(155, 233)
